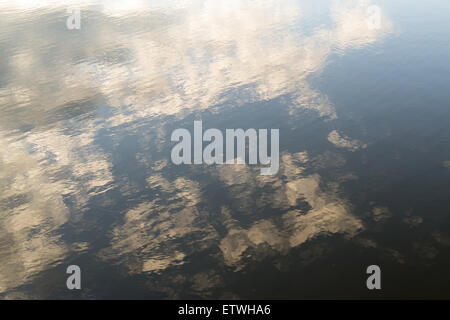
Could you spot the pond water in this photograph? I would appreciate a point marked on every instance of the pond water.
(86, 176)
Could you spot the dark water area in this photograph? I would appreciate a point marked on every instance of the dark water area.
(86, 176)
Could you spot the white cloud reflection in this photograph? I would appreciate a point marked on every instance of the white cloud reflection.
(141, 61)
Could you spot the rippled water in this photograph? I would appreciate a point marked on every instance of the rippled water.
(86, 176)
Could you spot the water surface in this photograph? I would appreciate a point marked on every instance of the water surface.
(86, 176)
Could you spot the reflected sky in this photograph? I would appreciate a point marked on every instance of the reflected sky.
(85, 170)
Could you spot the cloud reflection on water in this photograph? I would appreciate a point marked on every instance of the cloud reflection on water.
(128, 67)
